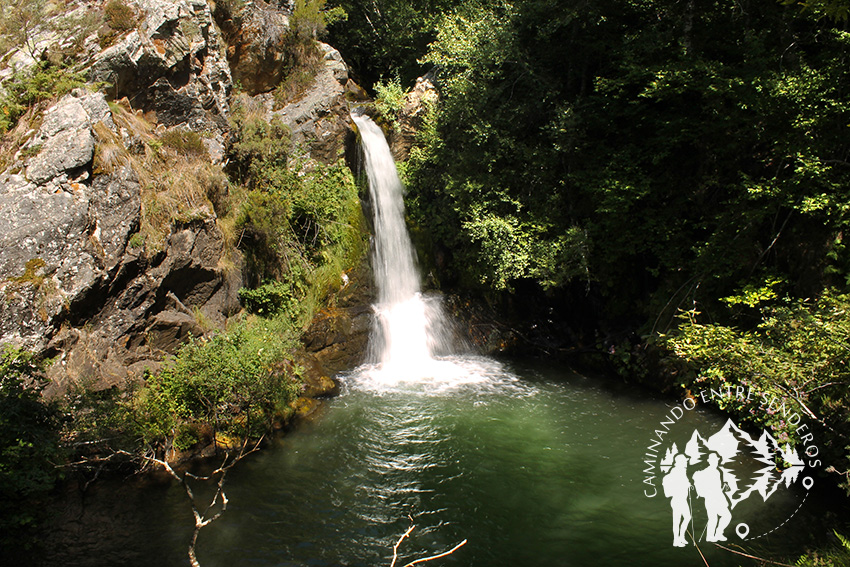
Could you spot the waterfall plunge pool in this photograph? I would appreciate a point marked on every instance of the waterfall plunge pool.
(531, 463)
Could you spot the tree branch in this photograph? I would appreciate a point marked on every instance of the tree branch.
(395, 547)
(752, 556)
(443, 554)
(201, 519)
(424, 559)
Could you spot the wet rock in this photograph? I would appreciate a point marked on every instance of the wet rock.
(317, 384)
(306, 407)
(338, 335)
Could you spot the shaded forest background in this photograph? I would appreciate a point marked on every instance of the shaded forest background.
(665, 182)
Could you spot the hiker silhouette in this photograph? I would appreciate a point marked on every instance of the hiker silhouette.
(676, 486)
(711, 487)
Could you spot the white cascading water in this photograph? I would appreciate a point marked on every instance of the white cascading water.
(410, 330)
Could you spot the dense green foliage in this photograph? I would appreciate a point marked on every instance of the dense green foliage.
(39, 83)
(661, 149)
(29, 444)
(797, 354)
(300, 224)
(382, 37)
(238, 382)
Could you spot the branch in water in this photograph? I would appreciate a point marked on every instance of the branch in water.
(449, 552)
(424, 559)
(201, 519)
(401, 539)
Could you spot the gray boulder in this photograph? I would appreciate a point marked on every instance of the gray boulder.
(65, 141)
(75, 238)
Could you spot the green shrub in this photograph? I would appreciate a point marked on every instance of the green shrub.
(238, 381)
(310, 20)
(797, 353)
(19, 22)
(273, 298)
(836, 555)
(390, 100)
(119, 16)
(38, 83)
(97, 423)
(258, 147)
(186, 437)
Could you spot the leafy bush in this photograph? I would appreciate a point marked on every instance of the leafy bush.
(390, 100)
(29, 444)
(38, 83)
(310, 18)
(119, 16)
(19, 21)
(97, 423)
(258, 147)
(273, 298)
(239, 381)
(836, 555)
(797, 352)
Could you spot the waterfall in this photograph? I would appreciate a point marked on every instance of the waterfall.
(411, 343)
(409, 328)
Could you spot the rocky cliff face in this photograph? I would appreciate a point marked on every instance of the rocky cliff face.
(76, 282)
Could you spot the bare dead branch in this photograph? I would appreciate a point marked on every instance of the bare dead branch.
(203, 519)
(443, 554)
(424, 559)
(694, 540)
(395, 547)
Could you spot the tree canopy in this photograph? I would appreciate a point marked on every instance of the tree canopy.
(648, 158)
